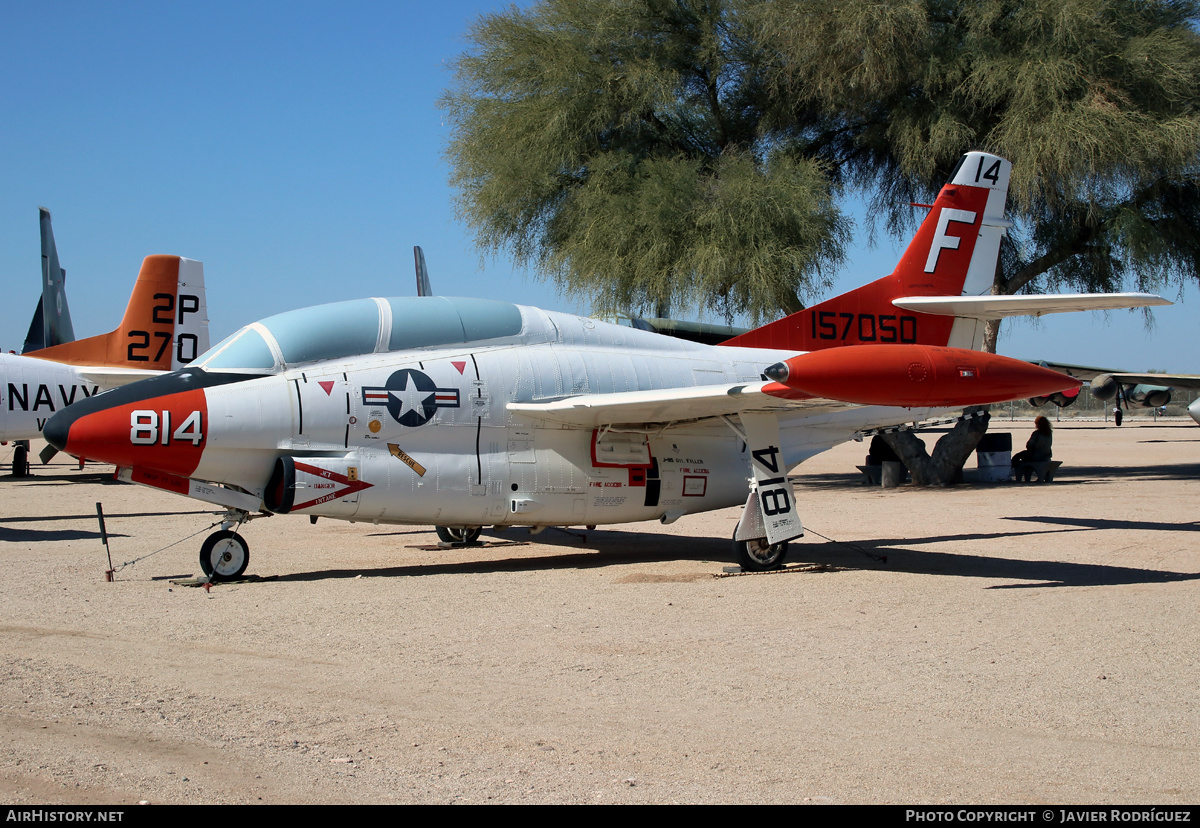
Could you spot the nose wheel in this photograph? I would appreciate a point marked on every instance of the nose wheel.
(224, 555)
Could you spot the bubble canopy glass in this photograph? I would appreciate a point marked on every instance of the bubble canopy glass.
(361, 326)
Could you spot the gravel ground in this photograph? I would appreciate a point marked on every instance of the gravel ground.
(1000, 644)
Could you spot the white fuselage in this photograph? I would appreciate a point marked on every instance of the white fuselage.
(31, 390)
(467, 460)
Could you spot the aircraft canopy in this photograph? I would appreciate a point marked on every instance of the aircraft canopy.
(358, 327)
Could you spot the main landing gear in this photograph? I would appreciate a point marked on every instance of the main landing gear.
(458, 535)
(759, 555)
(225, 554)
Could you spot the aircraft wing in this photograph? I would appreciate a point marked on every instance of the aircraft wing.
(999, 307)
(111, 377)
(1088, 373)
(1161, 380)
(669, 405)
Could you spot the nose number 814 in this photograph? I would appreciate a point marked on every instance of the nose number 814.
(148, 428)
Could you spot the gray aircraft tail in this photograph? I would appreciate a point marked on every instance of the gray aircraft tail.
(423, 287)
(51, 323)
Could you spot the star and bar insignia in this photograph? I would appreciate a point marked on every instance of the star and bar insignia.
(411, 397)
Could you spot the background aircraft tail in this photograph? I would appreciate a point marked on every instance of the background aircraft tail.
(51, 323)
(954, 253)
(423, 286)
(165, 325)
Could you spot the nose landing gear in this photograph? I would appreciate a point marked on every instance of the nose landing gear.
(225, 554)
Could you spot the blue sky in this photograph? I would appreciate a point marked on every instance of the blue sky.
(297, 150)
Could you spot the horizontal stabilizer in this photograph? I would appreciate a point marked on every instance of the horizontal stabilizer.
(112, 377)
(999, 307)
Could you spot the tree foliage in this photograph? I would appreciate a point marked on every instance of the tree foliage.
(619, 147)
(1094, 102)
(641, 152)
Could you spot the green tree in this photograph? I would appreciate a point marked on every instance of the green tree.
(1094, 101)
(619, 147)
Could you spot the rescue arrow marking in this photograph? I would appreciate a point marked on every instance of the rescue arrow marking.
(399, 454)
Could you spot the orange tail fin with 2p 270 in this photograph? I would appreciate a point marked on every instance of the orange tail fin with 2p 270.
(165, 326)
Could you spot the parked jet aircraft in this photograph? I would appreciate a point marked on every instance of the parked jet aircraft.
(467, 413)
(165, 328)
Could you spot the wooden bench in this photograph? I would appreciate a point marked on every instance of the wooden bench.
(874, 475)
(1044, 469)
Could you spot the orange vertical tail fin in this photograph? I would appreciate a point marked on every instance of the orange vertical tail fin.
(165, 325)
(954, 253)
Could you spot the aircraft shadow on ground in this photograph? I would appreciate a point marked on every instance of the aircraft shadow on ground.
(107, 516)
(901, 557)
(1105, 523)
(30, 535)
(604, 548)
(615, 548)
(49, 535)
(1171, 471)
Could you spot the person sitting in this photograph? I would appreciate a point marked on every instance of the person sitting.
(1037, 450)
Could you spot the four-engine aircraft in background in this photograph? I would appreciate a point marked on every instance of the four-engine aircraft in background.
(469, 413)
(1128, 389)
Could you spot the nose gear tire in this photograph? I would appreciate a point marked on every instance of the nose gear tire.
(224, 556)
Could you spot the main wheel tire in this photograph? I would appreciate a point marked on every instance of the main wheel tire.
(20, 461)
(757, 555)
(450, 534)
(224, 556)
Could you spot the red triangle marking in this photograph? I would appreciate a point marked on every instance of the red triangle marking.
(327, 385)
(461, 366)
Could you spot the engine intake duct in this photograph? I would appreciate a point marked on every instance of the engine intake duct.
(315, 485)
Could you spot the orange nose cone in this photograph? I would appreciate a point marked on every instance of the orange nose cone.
(917, 376)
(159, 423)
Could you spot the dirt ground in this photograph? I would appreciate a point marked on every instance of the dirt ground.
(984, 644)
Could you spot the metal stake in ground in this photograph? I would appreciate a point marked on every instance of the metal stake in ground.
(108, 573)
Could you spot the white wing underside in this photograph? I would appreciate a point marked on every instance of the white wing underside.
(1000, 307)
(107, 377)
(671, 405)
